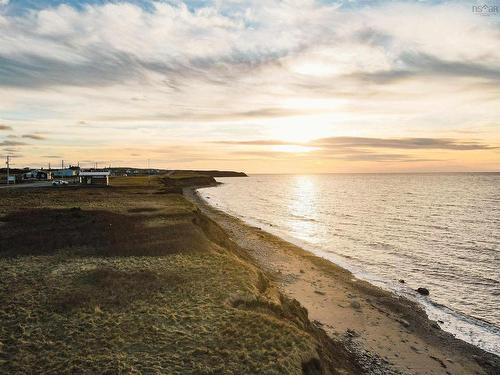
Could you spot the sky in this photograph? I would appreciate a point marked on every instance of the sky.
(261, 86)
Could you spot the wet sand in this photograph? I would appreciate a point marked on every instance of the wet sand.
(388, 334)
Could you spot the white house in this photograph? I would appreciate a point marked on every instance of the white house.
(94, 178)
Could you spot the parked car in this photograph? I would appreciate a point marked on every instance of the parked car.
(59, 182)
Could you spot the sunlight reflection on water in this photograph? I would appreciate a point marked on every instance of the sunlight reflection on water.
(301, 208)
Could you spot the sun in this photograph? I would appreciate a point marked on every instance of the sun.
(300, 129)
(317, 118)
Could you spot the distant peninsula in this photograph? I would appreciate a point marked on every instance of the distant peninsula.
(215, 173)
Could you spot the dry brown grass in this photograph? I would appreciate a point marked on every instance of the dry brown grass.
(135, 181)
(71, 302)
(111, 288)
(45, 231)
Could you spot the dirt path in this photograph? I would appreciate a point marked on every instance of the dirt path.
(388, 333)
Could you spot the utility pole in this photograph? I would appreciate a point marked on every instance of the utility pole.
(62, 164)
(8, 166)
(149, 174)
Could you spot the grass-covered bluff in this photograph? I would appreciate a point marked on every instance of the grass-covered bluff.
(129, 279)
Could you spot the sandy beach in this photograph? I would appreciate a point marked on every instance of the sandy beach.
(388, 334)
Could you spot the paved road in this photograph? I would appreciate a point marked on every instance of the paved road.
(26, 185)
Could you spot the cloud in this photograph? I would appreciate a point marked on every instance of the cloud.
(5, 127)
(401, 143)
(16, 156)
(327, 154)
(81, 47)
(263, 142)
(12, 143)
(365, 142)
(33, 136)
(382, 158)
(356, 149)
(419, 65)
(212, 115)
(51, 156)
(58, 51)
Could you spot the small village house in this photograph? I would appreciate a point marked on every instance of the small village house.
(37, 175)
(94, 178)
(66, 172)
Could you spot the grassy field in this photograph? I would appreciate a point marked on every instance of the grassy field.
(128, 279)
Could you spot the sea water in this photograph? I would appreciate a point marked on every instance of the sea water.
(439, 231)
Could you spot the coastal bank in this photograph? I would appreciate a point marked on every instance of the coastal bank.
(134, 278)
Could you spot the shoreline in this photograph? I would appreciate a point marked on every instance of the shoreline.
(387, 331)
(464, 327)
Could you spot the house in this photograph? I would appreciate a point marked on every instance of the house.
(67, 172)
(43, 175)
(15, 175)
(37, 175)
(29, 175)
(94, 178)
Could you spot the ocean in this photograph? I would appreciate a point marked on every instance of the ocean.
(438, 231)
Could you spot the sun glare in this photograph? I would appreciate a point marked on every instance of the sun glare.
(297, 149)
(301, 129)
(315, 68)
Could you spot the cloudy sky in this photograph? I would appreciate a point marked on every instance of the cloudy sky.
(256, 85)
